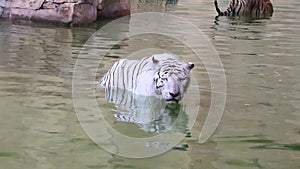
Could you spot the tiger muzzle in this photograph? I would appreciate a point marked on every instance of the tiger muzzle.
(173, 99)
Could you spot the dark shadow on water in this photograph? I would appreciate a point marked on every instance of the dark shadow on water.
(172, 2)
(242, 28)
(290, 147)
(150, 113)
(242, 20)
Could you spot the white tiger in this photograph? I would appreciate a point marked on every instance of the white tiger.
(161, 75)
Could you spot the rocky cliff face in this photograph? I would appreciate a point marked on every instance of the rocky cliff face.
(64, 11)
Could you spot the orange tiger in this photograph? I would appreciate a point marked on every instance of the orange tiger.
(252, 8)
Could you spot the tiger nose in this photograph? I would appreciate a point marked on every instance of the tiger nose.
(174, 94)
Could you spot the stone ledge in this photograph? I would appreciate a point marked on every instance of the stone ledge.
(64, 11)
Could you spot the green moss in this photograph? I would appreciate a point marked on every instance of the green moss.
(240, 163)
(8, 154)
(258, 141)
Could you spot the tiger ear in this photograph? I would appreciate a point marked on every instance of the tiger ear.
(155, 64)
(190, 65)
(154, 60)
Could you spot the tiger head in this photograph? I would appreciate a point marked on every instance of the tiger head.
(171, 78)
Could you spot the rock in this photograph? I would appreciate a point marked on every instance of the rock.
(19, 13)
(49, 5)
(64, 11)
(84, 13)
(1, 10)
(62, 14)
(76, 1)
(28, 4)
(2, 3)
(59, 1)
(67, 13)
(113, 8)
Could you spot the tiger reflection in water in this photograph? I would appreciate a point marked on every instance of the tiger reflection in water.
(150, 113)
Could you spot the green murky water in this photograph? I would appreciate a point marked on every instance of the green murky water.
(260, 127)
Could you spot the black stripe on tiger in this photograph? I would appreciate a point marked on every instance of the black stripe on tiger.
(142, 64)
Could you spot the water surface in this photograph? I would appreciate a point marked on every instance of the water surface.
(260, 125)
